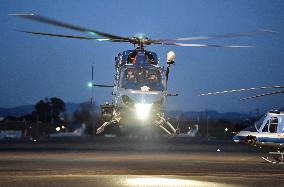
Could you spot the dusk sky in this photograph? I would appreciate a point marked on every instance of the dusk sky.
(34, 67)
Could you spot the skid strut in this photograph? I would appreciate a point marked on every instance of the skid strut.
(275, 160)
(114, 120)
(162, 122)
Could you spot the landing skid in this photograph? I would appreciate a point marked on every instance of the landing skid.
(161, 122)
(114, 120)
(275, 160)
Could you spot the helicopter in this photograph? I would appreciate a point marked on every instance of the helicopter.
(268, 131)
(140, 85)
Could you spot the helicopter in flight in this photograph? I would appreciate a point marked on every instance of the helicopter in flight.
(268, 131)
(140, 85)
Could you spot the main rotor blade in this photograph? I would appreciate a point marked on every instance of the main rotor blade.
(241, 90)
(59, 35)
(71, 36)
(226, 35)
(205, 45)
(262, 95)
(46, 20)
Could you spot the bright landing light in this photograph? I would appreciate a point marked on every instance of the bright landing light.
(142, 110)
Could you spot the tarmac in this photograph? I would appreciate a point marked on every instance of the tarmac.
(132, 161)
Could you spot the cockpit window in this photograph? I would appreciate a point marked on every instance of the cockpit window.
(141, 58)
(273, 125)
(259, 122)
(265, 128)
(135, 78)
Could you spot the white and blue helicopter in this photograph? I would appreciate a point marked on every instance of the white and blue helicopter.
(268, 131)
(140, 85)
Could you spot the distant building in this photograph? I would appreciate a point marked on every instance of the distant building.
(12, 130)
(11, 134)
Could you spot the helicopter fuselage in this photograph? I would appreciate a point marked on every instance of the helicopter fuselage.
(268, 131)
(139, 93)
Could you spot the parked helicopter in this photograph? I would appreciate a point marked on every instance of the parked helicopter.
(268, 131)
(140, 85)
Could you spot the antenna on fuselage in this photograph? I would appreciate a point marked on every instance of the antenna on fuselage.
(92, 98)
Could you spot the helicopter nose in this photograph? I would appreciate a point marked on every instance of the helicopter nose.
(239, 137)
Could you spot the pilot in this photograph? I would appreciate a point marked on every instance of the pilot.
(134, 60)
(130, 76)
(152, 78)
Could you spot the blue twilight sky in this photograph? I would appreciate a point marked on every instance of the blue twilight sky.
(34, 67)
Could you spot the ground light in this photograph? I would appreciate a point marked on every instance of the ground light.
(167, 181)
(57, 129)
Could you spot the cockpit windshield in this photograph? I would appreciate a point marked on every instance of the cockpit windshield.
(136, 78)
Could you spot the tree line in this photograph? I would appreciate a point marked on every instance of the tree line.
(50, 113)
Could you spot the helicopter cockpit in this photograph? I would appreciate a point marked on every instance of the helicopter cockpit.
(147, 77)
(259, 123)
(142, 58)
(269, 123)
